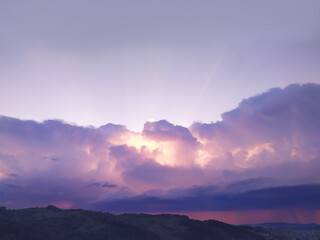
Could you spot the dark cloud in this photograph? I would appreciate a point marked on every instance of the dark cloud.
(41, 191)
(108, 185)
(157, 175)
(207, 199)
(94, 184)
(13, 175)
(51, 158)
(104, 185)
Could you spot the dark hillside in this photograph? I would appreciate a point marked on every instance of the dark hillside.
(54, 223)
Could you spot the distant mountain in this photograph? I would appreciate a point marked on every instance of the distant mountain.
(286, 225)
(52, 223)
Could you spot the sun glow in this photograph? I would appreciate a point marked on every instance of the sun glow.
(163, 152)
(166, 154)
(139, 142)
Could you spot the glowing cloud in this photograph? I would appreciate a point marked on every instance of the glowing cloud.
(240, 159)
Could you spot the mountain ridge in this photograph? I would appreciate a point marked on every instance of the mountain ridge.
(71, 224)
(285, 225)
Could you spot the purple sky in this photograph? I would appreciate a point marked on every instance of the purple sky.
(125, 62)
(207, 108)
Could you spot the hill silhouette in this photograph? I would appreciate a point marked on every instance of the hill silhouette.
(77, 224)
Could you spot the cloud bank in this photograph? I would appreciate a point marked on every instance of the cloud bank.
(264, 154)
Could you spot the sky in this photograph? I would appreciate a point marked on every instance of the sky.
(182, 61)
(204, 108)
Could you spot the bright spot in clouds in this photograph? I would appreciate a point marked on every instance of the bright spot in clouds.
(139, 142)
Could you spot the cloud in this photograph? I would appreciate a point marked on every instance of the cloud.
(107, 185)
(263, 154)
(203, 199)
(164, 131)
(176, 140)
(42, 190)
(141, 172)
(159, 176)
(281, 125)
